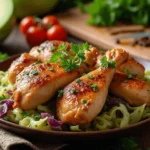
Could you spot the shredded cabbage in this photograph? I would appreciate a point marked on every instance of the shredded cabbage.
(5, 86)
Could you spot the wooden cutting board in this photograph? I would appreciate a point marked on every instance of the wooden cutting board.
(75, 23)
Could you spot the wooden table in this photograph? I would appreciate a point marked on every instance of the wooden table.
(16, 43)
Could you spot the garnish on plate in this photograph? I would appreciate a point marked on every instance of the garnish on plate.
(70, 60)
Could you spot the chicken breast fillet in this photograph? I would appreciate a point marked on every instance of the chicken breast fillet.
(38, 83)
(18, 65)
(84, 98)
(136, 92)
(44, 51)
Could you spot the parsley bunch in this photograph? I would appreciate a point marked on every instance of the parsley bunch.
(108, 12)
(106, 64)
(70, 60)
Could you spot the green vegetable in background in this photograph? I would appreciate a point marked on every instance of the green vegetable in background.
(6, 18)
(108, 12)
(3, 56)
(33, 7)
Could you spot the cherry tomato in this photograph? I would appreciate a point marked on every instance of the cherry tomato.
(56, 32)
(49, 21)
(26, 23)
(35, 35)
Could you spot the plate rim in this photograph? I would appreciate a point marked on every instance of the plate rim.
(68, 133)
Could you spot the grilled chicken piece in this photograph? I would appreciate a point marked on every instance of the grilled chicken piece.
(84, 98)
(46, 49)
(37, 84)
(136, 92)
(18, 65)
(133, 67)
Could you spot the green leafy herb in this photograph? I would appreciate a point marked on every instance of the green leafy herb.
(25, 114)
(106, 64)
(84, 101)
(95, 87)
(70, 61)
(73, 91)
(90, 76)
(108, 12)
(53, 48)
(60, 93)
(51, 69)
(77, 80)
(34, 72)
(37, 62)
(37, 116)
(130, 76)
(2, 97)
(38, 50)
(5, 118)
(3, 56)
(25, 73)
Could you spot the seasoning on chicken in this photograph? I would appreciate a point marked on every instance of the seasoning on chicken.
(84, 98)
(18, 65)
(135, 91)
(44, 51)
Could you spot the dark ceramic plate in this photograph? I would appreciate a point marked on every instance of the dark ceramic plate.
(72, 136)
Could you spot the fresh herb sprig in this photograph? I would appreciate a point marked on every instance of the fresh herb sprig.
(108, 12)
(70, 60)
(3, 56)
(105, 63)
(130, 76)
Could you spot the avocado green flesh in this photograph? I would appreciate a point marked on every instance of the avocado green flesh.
(33, 7)
(6, 18)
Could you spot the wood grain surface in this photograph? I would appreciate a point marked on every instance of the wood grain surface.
(16, 43)
(75, 22)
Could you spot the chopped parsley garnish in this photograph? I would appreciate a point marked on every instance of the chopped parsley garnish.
(5, 118)
(106, 64)
(38, 50)
(2, 97)
(60, 93)
(70, 61)
(34, 72)
(47, 63)
(95, 87)
(130, 76)
(25, 73)
(37, 116)
(51, 69)
(25, 114)
(90, 76)
(73, 91)
(37, 62)
(84, 101)
(53, 48)
(3, 56)
(77, 80)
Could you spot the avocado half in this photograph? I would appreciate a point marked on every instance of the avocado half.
(33, 7)
(6, 18)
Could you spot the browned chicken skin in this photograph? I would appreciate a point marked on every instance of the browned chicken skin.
(83, 100)
(18, 65)
(44, 51)
(136, 92)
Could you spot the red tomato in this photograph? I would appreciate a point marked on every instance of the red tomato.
(56, 32)
(35, 35)
(26, 23)
(49, 21)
